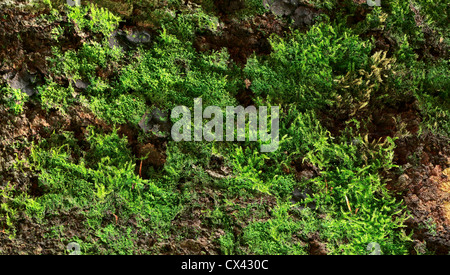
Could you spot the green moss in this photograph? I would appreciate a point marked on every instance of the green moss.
(93, 18)
(13, 99)
(277, 236)
(238, 197)
(302, 67)
(101, 182)
(173, 74)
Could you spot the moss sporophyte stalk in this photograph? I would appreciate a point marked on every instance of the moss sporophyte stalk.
(217, 123)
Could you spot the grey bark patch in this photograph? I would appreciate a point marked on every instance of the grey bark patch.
(302, 15)
(157, 122)
(23, 81)
(116, 41)
(139, 37)
(81, 84)
(300, 195)
(121, 39)
(282, 8)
